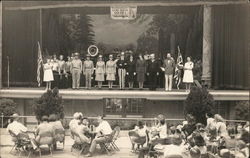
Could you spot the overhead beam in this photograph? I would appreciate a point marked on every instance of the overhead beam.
(78, 4)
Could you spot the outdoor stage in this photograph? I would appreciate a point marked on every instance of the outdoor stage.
(94, 94)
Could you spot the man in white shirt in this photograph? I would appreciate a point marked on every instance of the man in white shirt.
(17, 127)
(103, 133)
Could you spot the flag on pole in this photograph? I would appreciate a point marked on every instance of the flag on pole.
(39, 64)
(178, 61)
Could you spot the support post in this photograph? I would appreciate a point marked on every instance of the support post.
(207, 46)
(41, 28)
(1, 46)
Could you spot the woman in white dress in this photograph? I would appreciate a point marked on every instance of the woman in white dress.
(100, 71)
(188, 78)
(48, 74)
(221, 127)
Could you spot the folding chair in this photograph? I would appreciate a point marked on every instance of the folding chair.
(60, 136)
(115, 137)
(78, 144)
(46, 139)
(140, 141)
(21, 142)
(110, 146)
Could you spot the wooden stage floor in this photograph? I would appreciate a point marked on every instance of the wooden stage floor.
(95, 94)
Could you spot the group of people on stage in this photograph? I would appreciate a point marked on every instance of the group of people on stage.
(66, 74)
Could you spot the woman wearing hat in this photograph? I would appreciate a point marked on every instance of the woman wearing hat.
(100, 71)
(110, 71)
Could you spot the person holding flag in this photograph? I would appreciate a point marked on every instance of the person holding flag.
(178, 69)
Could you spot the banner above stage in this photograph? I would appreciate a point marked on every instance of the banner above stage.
(123, 12)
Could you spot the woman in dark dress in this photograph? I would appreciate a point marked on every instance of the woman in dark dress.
(140, 71)
(131, 71)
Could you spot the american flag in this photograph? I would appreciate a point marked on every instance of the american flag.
(39, 64)
(178, 61)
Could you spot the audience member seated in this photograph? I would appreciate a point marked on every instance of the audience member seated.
(75, 121)
(58, 128)
(176, 148)
(45, 133)
(138, 135)
(199, 143)
(195, 152)
(17, 128)
(220, 126)
(190, 126)
(162, 129)
(103, 133)
(83, 131)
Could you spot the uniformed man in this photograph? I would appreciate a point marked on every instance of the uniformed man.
(121, 64)
(88, 69)
(76, 69)
(153, 72)
(62, 72)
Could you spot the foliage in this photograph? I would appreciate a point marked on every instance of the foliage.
(199, 102)
(49, 103)
(147, 43)
(77, 32)
(242, 110)
(7, 108)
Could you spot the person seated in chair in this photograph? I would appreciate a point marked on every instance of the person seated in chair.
(103, 133)
(45, 132)
(83, 131)
(17, 128)
(176, 148)
(73, 124)
(138, 135)
(58, 128)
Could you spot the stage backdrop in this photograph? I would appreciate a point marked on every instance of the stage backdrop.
(231, 47)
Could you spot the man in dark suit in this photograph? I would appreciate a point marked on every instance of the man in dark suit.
(153, 72)
(169, 66)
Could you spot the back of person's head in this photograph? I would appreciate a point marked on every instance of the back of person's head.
(76, 115)
(231, 132)
(15, 116)
(195, 152)
(162, 122)
(199, 140)
(45, 118)
(209, 114)
(140, 124)
(172, 129)
(199, 126)
(218, 118)
(52, 117)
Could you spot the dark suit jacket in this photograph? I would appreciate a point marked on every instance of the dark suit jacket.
(169, 66)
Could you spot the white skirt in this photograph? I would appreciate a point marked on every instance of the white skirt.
(48, 75)
(188, 76)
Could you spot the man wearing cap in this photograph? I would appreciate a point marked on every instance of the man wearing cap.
(88, 69)
(122, 64)
(17, 127)
(153, 72)
(76, 69)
